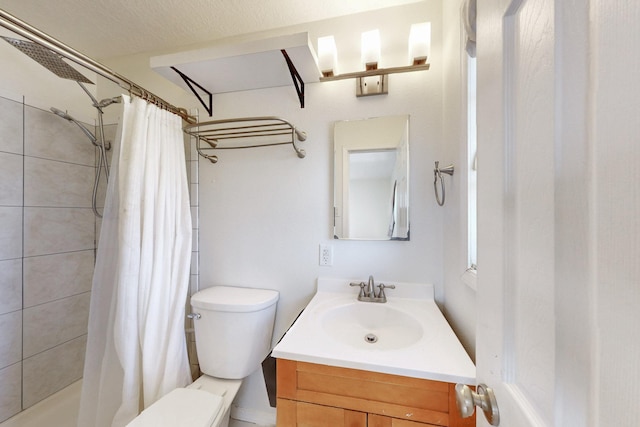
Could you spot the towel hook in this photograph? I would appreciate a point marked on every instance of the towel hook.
(437, 176)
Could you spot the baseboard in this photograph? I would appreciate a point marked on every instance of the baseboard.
(260, 418)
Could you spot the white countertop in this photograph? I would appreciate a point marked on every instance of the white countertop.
(436, 355)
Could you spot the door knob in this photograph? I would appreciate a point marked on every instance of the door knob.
(467, 400)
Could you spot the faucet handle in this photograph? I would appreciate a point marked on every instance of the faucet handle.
(362, 286)
(382, 286)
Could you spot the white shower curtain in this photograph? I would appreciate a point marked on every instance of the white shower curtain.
(136, 349)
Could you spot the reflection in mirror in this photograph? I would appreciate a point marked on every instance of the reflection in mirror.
(371, 183)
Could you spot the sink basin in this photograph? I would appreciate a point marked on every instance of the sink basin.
(407, 335)
(371, 326)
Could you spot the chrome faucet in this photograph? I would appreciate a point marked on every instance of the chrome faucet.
(368, 291)
(371, 291)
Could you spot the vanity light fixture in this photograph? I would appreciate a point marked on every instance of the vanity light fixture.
(370, 49)
(373, 80)
(327, 56)
(419, 43)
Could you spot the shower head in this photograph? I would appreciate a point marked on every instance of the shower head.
(48, 59)
(108, 101)
(104, 103)
(66, 116)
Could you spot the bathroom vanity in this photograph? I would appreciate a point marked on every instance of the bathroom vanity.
(310, 394)
(350, 363)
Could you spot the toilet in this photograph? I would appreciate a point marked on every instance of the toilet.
(233, 329)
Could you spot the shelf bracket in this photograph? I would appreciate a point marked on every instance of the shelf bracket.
(297, 80)
(190, 82)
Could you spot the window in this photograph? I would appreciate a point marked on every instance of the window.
(472, 165)
(469, 276)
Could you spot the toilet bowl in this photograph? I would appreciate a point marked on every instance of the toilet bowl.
(233, 328)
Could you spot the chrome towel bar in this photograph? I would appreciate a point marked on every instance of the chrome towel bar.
(246, 132)
(437, 176)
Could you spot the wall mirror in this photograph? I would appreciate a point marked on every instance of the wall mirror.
(371, 179)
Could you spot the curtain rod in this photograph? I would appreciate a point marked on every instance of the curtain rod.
(20, 27)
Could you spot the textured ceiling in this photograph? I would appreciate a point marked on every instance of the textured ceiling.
(111, 28)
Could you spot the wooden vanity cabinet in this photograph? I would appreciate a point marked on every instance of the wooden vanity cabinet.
(313, 395)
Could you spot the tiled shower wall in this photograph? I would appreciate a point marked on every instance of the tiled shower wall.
(47, 242)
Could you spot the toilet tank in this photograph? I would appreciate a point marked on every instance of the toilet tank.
(234, 329)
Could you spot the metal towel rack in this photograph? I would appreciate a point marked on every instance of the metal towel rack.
(437, 176)
(246, 132)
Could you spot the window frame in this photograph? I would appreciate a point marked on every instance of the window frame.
(469, 155)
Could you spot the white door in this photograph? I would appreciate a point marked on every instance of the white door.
(559, 211)
(519, 202)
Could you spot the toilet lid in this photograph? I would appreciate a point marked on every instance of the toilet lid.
(182, 407)
(232, 299)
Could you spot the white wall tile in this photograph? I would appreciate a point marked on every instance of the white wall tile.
(194, 262)
(10, 232)
(10, 338)
(193, 152)
(60, 165)
(10, 285)
(193, 194)
(51, 137)
(110, 133)
(54, 183)
(10, 126)
(73, 275)
(51, 324)
(194, 216)
(194, 283)
(194, 241)
(10, 179)
(11, 391)
(52, 370)
(101, 195)
(193, 164)
(55, 230)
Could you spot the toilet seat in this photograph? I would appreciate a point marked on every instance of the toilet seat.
(182, 407)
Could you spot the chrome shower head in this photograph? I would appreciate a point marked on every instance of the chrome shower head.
(48, 59)
(108, 101)
(86, 131)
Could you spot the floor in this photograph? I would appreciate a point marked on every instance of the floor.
(236, 423)
(60, 410)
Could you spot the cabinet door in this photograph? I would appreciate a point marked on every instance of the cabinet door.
(382, 421)
(301, 414)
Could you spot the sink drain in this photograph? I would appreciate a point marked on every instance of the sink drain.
(370, 338)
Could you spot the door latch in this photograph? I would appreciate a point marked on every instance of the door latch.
(467, 400)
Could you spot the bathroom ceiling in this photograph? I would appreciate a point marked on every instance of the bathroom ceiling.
(111, 28)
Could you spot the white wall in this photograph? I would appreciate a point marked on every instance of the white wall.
(460, 300)
(263, 212)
